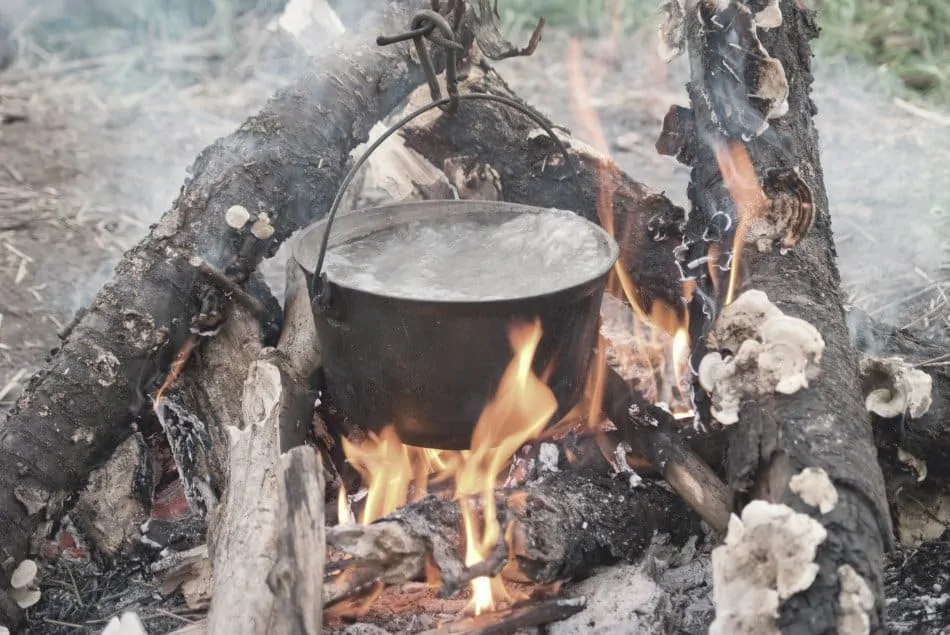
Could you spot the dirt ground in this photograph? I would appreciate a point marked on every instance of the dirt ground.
(92, 153)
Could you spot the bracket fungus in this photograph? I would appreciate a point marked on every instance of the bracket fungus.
(893, 388)
(856, 600)
(24, 584)
(262, 228)
(757, 350)
(768, 14)
(789, 214)
(237, 216)
(768, 556)
(814, 487)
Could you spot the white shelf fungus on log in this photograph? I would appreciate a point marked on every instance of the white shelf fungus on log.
(814, 487)
(893, 388)
(24, 583)
(767, 352)
(237, 216)
(770, 17)
(856, 600)
(768, 556)
(262, 228)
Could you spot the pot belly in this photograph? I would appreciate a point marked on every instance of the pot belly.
(429, 369)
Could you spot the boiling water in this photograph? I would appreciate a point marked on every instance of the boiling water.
(467, 260)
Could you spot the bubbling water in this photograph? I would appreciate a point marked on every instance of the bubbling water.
(473, 259)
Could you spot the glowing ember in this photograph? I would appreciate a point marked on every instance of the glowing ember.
(740, 179)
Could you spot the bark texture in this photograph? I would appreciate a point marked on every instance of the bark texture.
(297, 578)
(824, 425)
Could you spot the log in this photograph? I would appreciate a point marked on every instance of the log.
(561, 527)
(297, 577)
(490, 146)
(282, 166)
(806, 453)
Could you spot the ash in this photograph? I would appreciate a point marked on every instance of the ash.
(917, 587)
(466, 260)
(79, 598)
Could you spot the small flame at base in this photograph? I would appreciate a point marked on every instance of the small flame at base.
(518, 412)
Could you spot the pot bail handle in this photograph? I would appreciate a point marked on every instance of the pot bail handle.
(423, 25)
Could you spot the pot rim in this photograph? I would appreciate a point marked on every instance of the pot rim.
(362, 222)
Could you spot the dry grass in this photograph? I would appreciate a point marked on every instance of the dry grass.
(92, 151)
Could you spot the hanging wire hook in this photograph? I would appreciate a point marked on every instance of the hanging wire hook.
(432, 24)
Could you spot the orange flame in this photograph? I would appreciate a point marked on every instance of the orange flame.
(518, 412)
(663, 326)
(740, 179)
(521, 408)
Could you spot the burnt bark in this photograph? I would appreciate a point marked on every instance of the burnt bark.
(491, 141)
(286, 162)
(824, 425)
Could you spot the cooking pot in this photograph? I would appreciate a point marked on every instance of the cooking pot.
(426, 356)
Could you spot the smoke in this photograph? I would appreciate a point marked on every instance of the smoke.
(124, 97)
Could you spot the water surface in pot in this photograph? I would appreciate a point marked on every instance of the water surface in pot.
(473, 258)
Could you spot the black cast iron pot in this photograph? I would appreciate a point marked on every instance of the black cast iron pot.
(428, 367)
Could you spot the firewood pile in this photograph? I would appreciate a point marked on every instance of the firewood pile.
(749, 455)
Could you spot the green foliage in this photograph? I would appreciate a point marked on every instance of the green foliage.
(909, 37)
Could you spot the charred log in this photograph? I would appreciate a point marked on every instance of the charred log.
(489, 145)
(560, 527)
(781, 442)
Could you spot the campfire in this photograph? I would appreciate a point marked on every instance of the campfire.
(530, 385)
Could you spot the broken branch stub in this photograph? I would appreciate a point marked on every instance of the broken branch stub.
(894, 362)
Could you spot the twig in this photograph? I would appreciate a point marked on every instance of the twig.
(923, 113)
(230, 286)
(350, 582)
